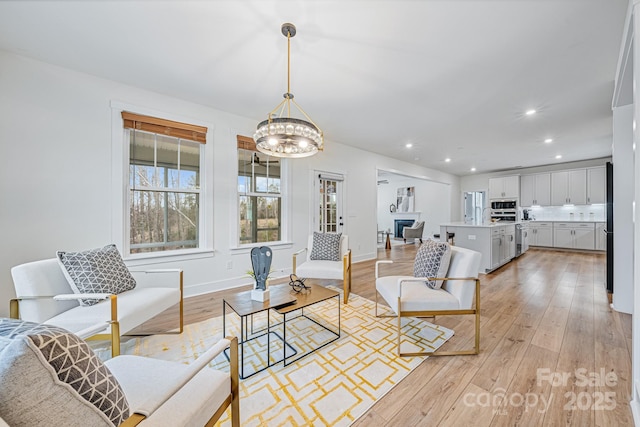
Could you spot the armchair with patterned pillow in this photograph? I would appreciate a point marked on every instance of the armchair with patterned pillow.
(444, 283)
(50, 377)
(93, 294)
(328, 257)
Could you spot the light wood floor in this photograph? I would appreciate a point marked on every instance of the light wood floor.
(544, 316)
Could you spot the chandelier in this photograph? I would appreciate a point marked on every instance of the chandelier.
(282, 135)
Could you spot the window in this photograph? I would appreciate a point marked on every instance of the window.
(164, 185)
(259, 195)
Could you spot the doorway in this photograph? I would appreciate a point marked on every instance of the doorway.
(474, 206)
(329, 203)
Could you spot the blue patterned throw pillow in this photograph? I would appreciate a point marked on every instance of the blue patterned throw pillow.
(432, 260)
(326, 246)
(99, 270)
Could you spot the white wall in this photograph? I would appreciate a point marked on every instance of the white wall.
(432, 202)
(56, 187)
(623, 196)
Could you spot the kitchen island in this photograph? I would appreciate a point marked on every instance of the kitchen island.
(496, 241)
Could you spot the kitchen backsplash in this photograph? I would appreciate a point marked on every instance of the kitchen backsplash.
(568, 213)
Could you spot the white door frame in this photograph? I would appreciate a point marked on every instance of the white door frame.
(341, 179)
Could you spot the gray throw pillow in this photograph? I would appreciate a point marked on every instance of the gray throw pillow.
(99, 270)
(326, 246)
(49, 376)
(432, 260)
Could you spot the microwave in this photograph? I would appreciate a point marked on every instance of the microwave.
(504, 205)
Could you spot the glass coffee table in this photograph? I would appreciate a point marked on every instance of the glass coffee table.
(284, 328)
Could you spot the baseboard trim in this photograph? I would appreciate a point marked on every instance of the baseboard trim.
(635, 410)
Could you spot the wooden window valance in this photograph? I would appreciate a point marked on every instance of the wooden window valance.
(246, 143)
(165, 127)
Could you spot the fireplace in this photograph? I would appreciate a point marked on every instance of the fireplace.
(400, 224)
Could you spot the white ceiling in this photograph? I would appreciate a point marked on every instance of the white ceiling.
(452, 77)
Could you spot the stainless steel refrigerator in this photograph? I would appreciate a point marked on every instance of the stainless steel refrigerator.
(609, 230)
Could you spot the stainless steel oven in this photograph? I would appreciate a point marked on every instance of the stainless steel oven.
(504, 210)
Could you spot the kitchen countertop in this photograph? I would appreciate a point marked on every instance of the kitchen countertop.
(500, 223)
(567, 220)
(481, 224)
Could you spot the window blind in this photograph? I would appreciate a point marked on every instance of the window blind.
(246, 143)
(165, 127)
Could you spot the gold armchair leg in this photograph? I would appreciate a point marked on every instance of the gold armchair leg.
(346, 276)
(115, 339)
(115, 327)
(133, 420)
(14, 309)
(235, 389)
(475, 312)
(295, 262)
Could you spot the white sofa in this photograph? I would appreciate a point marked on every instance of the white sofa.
(43, 295)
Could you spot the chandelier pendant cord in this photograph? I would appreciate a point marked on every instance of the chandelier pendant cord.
(288, 73)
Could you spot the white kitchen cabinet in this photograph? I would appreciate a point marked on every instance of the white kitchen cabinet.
(496, 250)
(535, 190)
(503, 245)
(569, 187)
(596, 185)
(562, 237)
(584, 238)
(494, 242)
(601, 236)
(574, 235)
(504, 187)
(541, 234)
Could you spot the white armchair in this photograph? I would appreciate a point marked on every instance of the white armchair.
(162, 393)
(50, 376)
(43, 295)
(413, 232)
(322, 269)
(409, 296)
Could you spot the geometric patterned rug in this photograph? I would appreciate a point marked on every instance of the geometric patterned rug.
(330, 387)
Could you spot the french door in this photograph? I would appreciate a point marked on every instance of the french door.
(329, 217)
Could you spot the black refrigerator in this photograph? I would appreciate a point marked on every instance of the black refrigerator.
(609, 230)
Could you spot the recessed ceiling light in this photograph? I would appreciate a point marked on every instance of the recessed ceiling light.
(408, 145)
(530, 112)
(548, 141)
(447, 160)
(559, 156)
(473, 169)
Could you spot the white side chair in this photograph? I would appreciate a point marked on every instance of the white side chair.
(409, 296)
(321, 269)
(43, 295)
